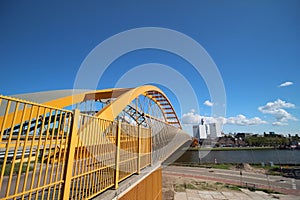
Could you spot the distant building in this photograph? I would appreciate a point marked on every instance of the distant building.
(204, 131)
(196, 133)
(215, 130)
(200, 131)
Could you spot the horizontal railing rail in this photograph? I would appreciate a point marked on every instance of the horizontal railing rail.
(51, 153)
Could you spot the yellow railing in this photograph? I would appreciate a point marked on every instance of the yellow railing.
(50, 153)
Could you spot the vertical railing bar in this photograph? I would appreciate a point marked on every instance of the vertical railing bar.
(38, 147)
(79, 159)
(43, 156)
(49, 154)
(97, 157)
(16, 149)
(59, 152)
(88, 149)
(99, 152)
(4, 120)
(77, 162)
(82, 163)
(70, 119)
(93, 158)
(62, 150)
(91, 153)
(31, 145)
(86, 155)
(150, 145)
(70, 158)
(7, 147)
(1, 135)
(139, 150)
(117, 158)
(108, 151)
(82, 160)
(98, 143)
(73, 173)
(24, 149)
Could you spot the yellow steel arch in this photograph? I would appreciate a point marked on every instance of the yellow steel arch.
(109, 112)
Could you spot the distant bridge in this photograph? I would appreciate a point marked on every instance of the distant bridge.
(111, 138)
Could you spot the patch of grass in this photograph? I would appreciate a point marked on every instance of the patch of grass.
(215, 166)
(203, 185)
(268, 191)
(179, 188)
(218, 183)
(190, 186)
(233, 187)
(221, 166)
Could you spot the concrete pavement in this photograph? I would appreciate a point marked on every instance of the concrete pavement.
(244, 194)
(276, 183)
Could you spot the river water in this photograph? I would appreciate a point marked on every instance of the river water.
(291, 157)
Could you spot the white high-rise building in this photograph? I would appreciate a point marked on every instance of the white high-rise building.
(199, 131)
(211, 130)
(203, 132)
(196, 132)
(215, 130)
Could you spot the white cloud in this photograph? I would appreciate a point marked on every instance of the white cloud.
(276, 109)
(244, 121)
(279, 124)
(287, 83)
(208, 103)
(193, 118)
(192, 110)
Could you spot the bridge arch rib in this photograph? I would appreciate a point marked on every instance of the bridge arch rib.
(122, 96)
(115, 107)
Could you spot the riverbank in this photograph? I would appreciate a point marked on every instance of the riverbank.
(228, 148)
(260, 155)
(275, 170)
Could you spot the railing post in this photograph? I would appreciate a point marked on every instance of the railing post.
(117, 158)
(139, 150)
(70, 155)
(151, 147)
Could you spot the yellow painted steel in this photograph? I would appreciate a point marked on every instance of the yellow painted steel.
(23, 144)
(124, 97)
(149, 188)
(53, 153)
(117, 158)
(111, 111)
(70, 159)
(45, 156)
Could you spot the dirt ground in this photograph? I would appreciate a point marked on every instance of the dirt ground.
(173, 184)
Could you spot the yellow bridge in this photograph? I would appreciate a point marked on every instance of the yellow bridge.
(109, 146)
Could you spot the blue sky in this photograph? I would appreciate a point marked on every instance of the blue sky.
(255, 45)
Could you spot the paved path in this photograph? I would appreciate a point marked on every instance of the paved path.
(277, 183)
(244, 195)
